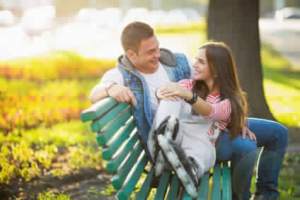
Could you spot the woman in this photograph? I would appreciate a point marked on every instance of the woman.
(213, 100)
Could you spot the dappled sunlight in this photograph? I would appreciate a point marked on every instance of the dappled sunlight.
(284, 102)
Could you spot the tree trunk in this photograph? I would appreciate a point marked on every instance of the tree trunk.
(235, 22)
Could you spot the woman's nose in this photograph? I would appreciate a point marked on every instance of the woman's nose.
(195, 65)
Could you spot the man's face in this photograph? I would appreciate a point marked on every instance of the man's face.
(146, 60)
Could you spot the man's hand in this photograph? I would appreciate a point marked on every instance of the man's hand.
(246, 131)
(122, 94)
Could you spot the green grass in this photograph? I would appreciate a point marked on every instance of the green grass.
(62, 149)
(282, 86)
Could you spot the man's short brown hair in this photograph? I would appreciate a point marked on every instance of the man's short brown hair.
(133, 34)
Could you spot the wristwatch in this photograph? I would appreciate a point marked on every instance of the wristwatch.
(108, 86)
(193, 100)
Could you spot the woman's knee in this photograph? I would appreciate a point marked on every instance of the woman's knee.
(267, 131)
(242, 146)
(282, 134)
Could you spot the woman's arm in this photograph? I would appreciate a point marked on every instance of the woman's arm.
(173, 90)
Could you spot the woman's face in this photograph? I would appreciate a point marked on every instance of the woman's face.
(202, 70)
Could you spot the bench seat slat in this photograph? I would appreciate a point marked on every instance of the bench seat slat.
(216, 188)
(109, 117)
(204, 185)
(125, 192)
(163, 185)
(226, 183)
(202, 190)
(97, 109)
(174, 188)
(108, 152)
(146, 187)
(122, 173)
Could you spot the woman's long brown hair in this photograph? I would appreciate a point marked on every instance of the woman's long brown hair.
(222, 65)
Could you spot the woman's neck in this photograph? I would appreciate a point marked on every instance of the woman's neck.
(212, 87)
(214, 91)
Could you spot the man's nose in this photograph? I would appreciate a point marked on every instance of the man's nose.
(157, 55)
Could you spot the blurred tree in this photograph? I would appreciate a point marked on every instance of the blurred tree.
(236, 23)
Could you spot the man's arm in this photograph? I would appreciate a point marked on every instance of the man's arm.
(98, 93)
(119, 92)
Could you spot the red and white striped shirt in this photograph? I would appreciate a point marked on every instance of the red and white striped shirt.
(220, 111)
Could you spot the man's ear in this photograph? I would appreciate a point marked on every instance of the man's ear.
(131, 54)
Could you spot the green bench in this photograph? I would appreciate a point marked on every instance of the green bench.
(127, 161)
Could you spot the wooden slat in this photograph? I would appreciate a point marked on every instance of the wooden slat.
(98, 109)
(186, 196)
(105, 135)
(120, 177)
(216, 188)
(146, 187)
(113, 164)
(226, 182)
(203, 189)
(125, 192)
(174, 188)
(109, 117)
(108, 152)
(162, 186)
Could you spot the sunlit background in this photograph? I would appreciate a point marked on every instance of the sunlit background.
(52, 52)
(29, 27)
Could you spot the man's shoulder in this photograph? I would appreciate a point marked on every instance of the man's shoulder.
(113, 71)
(170, 58)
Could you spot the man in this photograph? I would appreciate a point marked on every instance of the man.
(145, 67)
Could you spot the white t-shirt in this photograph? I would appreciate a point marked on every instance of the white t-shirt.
(154, 81)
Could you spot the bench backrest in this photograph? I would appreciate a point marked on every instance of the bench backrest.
(118, 137)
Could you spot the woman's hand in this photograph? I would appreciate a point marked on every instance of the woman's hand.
(246, 131)
(160, 95)
(175, 90)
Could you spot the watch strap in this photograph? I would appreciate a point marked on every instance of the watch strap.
(193, 100)
(108, 86)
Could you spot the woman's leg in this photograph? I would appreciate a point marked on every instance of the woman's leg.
(270, 135)
(273, 137)
(242, 154)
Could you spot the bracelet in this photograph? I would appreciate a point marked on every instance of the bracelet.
(108, 86)
(193, 100)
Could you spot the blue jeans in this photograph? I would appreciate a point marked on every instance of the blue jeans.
(242, 153)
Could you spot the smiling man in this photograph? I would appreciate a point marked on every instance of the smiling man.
(140, 71)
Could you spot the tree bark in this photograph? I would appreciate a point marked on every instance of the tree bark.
(235, 22)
